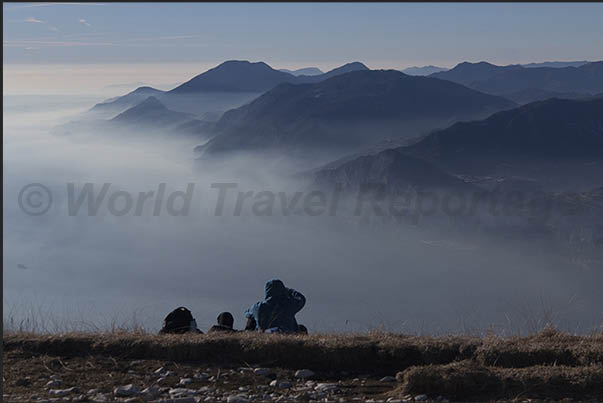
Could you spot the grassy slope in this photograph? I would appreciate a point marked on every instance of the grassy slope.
(546, 365)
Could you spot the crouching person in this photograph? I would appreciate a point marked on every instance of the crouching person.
(276, 314)
(179, 321)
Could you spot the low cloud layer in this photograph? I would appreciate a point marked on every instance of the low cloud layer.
(96, 271)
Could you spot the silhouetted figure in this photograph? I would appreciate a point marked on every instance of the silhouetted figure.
(276, 314)
(225, 323)
(302, 329)
(180, 320)
(251, 325)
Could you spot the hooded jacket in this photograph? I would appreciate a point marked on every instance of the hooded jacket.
(278, 308)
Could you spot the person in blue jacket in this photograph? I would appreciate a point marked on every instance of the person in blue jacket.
(276, 314)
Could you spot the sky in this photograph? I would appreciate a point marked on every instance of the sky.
(135, 41)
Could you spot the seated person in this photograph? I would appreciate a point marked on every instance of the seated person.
(179, 321)
(276, 314)
(225, 323)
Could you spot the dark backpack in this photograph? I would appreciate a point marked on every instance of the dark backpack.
(178, 321)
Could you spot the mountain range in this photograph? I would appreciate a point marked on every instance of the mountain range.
(244, 76)
(226, 86)
(347, 112)
(557, 64)
(556, 143)
(427, 70)
(587, 79)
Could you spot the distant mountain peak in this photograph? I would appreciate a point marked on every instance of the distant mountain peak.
(150, 102)
(305, 71)
(245, 63)
(150, 105)
(145, 88)
(424, 70)
(353, 66)
(246, 76)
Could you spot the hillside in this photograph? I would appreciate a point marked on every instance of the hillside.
(391, 168)
(555, 128)
(556, 142)
(348, 112)
(249, 367)
(114, 106)
(150, 113)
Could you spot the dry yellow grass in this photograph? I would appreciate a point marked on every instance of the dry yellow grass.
(549, 365)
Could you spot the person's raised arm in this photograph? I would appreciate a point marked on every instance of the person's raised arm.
(299, 301)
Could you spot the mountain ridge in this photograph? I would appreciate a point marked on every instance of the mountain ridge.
(341, 111)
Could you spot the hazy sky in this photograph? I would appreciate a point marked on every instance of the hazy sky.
(197, 36)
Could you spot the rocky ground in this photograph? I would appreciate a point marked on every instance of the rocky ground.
(239, 368)
(105, 379)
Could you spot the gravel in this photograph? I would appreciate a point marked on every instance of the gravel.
(304, 374)
(126, 391)
(262, 371)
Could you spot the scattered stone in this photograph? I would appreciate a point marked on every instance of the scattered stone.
(55, 383)
(281, 384)
(387, 379)
(201, 375)
(160, 370)
(126, 391)
(304, 374)
(262, 371)
(284, 385)
(185, 381)
(180, 400)
(237, 399)
(420, 398)
(23, 381)
(62, 392)
(181, 392)
(326, 387)
(151, 391)
(99, 397)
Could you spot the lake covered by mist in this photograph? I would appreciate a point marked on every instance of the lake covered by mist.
(104, 270)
